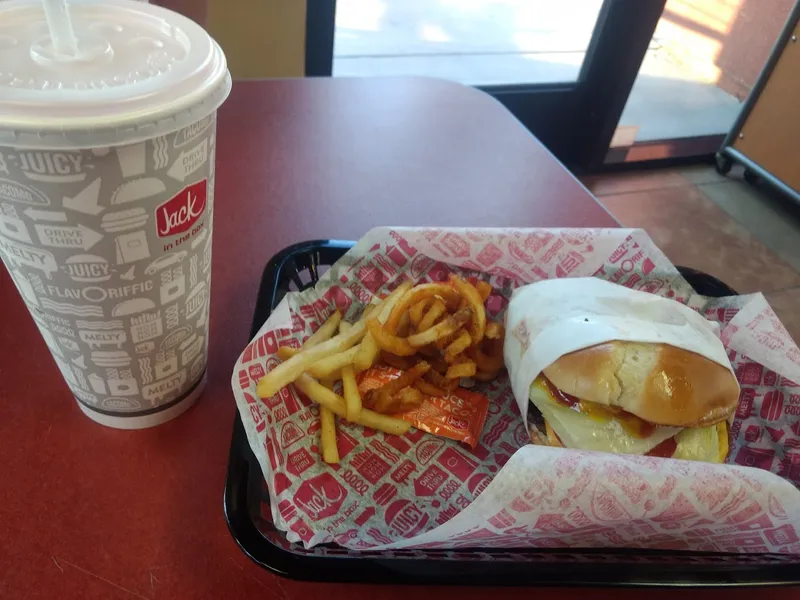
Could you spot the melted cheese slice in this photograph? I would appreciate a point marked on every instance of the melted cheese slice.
(708, 444)
(586, 432)
(581, 431)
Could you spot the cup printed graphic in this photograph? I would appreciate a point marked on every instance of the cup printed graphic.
(111, 249)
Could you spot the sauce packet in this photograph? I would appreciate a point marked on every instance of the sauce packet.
(458, 416)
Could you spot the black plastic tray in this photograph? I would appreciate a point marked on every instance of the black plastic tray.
(247, 509)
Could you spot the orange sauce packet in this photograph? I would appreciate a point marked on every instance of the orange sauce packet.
(459, 416)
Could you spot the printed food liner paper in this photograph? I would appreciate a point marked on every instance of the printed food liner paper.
(423, 491)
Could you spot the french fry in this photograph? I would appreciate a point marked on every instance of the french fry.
(437, 309)
(352, 398)
(329, 382)
(430, 351)
(383, 404)
(409, 398)
(287, 372)
(407, 378)
(404, 400)
(370, 308)
(327, 436)
(325, 331)
(324, 397)
(437, 364)
(464, 369)
(388, 341)
(493, 348)
(428, 388)
(379, 422)
(495, 330)
(405, 324)
(287, 352)
(382, 396)
(440, 381)
(398, 362)
(392, 299)
(457, 346)
(420, 292)
(477, 327)
(484, 289)
(485, 375)
(443, 322)
(368, 350)
(417, 311)
(442, 329)
(325, 366)
(486, 362)
(444, 341)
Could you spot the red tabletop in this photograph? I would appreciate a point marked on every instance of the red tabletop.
(92, 512)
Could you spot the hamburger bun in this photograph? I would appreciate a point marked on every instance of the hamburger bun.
(658, 383)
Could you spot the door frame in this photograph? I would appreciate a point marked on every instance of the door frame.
(574, 120)
(320, 31)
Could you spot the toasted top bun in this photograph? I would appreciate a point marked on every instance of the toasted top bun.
(661, 384)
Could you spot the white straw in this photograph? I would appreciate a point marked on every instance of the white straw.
(60, 25)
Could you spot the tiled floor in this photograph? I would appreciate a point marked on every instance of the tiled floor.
(748, 237)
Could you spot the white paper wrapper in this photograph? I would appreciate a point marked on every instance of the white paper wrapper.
(549, 319)
(422, 491)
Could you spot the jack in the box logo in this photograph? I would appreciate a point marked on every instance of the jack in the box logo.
(321, 496)
(181, 212)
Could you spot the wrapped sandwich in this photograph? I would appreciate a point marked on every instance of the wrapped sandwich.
(610, 369)
(637, 398)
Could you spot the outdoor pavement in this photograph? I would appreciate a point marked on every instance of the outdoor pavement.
(494, 42)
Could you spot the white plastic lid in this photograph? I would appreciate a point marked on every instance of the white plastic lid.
(142, 71)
